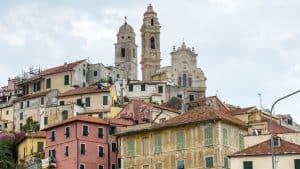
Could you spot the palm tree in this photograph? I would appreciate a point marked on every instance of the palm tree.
(31, 125)
(7, 154)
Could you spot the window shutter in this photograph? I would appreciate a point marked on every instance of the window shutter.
(225, 137)
(180, 140)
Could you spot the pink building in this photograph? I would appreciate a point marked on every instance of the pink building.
(83, 142)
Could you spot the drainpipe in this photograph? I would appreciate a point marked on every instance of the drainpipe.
(108, 146)
(77, 145)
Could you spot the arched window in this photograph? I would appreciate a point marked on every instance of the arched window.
(152, 22)
(184, 78)
(152, 43)
(64, 115)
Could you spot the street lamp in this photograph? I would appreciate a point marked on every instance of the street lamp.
(271, 127)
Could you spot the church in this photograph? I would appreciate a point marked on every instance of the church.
(183, 71)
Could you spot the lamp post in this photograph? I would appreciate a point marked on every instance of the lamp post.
(271, 127)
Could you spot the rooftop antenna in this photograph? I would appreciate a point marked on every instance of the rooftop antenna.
(125, 18)
(260, 100)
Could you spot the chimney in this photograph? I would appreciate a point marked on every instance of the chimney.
(65, 64)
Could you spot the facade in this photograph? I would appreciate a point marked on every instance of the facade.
(183, 70)
(30, 105)
(126, 51)
(30, 146)
(200, 138)
(83, 142)
(6, 118)
(143, 112)
(62, 78)
(287, 156)
(98, 73)
(150, 32)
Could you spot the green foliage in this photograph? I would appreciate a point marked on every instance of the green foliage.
(8, 154)
(31, 125)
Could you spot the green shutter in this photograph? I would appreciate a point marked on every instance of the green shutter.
(180, 140)
(225, 136)
(130, 147)
(297, 163)
(241, 140)
(248, 165)
(157, 141)
(208, 136)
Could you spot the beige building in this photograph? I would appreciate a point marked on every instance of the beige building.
(6, 118)
(30, 105)
(201, 138)
(287, 156)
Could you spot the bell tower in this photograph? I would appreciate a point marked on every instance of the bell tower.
(150, 32)
(126, 51)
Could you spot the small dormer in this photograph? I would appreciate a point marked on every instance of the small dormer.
(276, 141)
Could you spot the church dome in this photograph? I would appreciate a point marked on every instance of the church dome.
(126, 29)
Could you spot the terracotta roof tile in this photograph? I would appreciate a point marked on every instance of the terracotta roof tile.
(264, 148)
(236, 111)
(279, 129)
(85, 90)
(62, 68)
(38, 134)
(203, 113)
(203, 101)
(34, 95)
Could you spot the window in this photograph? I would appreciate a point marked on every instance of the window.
(157, 143)
(225, 136)
(28, 103)
(158, 166)
(113, 166)
(297, 163)
(52, 137)
(85, 130)
(21, 126)
(133, 52)
(81, 166)
(226, 164)
(160, 89)
(184, 80)
(145, 166)
(112, 130)
(48, 83)
(209, 162)
(105, 100)
(42, 100)
(21, 105)
(83, 72)
(114, 147)
(152, 22)
(241, 140)
(152, 43)
(7, 112)
(190, 82)
(79, 102)
(179, 81)
(46, 120)
(119, 163)
(179, 95)
(145, 146)
(83, 84)
(180, 164)
(5, 125)
(61, 103)
(82, 149)
(67, 151)
(118, 76)
(95, 73)
(66, 80)
(290, 121)
(52, 153)
(208, 136)
(130, 87)
(21, 116)
(191, 97)
(40, 146)
(67, 132)
(101, 151)
(64, 115)
(100, 166)
(130, 147)
(123, 52)
(248, 165)
(143, 87)
(180, 140)
(100, 132)
(87, 102)
(276, 141)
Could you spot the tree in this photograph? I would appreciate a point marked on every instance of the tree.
(7, 154)
(31, 125)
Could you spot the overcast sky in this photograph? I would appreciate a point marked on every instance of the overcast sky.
(244, 47)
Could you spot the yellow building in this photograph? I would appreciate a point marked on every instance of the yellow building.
(6, 118)
(31, 145)
(200, 138)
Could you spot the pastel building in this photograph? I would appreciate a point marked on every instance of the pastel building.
(83, 142)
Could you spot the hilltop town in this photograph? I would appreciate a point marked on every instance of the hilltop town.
(83, 115)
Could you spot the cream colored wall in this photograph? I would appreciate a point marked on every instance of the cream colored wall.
(7, 118)
(27, 145)
(265, 162)
(96, 100)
